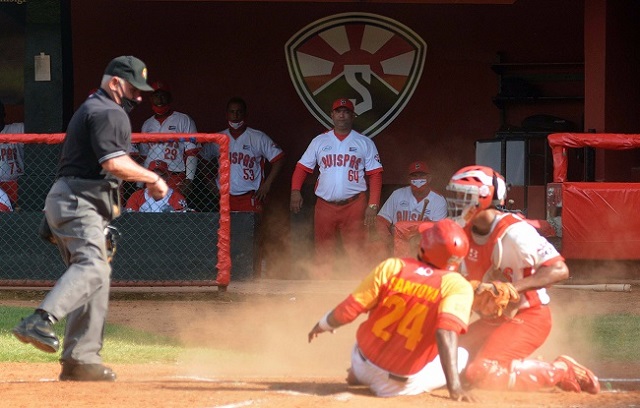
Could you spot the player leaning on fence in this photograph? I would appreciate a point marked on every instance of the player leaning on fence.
(79, 206)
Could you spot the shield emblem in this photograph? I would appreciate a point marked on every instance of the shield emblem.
(373, 60)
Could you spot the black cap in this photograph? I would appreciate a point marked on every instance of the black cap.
(131, 69)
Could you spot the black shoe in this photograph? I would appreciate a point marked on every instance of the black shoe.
(38, 331)
(86, 372)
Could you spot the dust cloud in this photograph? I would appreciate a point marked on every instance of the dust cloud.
(265, 336)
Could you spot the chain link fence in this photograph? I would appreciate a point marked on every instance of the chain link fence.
(183, 240)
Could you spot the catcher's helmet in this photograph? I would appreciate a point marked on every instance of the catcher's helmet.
(443, 244)
(472, 189)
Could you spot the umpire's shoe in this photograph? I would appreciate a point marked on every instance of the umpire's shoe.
(37, 330)
(86, 372)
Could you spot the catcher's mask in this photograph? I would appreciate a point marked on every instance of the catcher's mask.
(443, 244)
(112, 235)
(473, 189)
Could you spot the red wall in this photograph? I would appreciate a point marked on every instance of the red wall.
(210, 51)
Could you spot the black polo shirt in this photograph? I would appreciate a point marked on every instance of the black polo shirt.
(98, 131)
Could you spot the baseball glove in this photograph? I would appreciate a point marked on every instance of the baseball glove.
(491, 299)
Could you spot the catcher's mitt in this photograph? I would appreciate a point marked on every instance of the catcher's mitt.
(491, 299)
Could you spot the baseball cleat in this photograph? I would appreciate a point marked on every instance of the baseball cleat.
(86, 372)
(576, 372)
(38, 331)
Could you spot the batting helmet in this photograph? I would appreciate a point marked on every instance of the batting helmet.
(473, 189)
(443, 244)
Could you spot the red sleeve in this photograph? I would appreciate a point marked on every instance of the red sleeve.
(451, 323)
(299, 175)
(191, 152)
(375, 187)
(4, 208)
(278, 157)
(348, 310)
(553, 260)
(133, 203)
(177, 201)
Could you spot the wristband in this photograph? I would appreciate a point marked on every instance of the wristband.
(324, 324)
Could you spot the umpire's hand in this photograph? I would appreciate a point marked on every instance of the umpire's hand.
(158, 189)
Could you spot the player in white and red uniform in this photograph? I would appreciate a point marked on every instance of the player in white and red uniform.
(504, 247)
(416, 310)
(5, 203)
(180, 156)
(141, 201)
(410, 205)
(248, 150)
(11, 158)
(344, 157)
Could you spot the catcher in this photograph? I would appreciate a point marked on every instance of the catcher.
(509, 265)
(416, 310)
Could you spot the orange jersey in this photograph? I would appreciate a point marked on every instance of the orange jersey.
(407, 302)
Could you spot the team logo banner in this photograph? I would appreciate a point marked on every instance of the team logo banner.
(373, 60)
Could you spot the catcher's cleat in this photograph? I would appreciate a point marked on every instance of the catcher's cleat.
(578, 374)
(38, 331)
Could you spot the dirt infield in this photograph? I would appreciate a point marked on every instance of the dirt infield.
(263, 325)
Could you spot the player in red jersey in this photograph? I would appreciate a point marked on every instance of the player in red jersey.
(142, 201)
(416, 310)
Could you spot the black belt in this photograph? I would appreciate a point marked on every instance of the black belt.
(391, 375)
(347, 201)
(80, 178)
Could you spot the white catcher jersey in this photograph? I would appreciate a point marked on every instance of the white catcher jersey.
(11, 154)
(174, 153)
(342, 164)
(520, 252)
(247, 154)
(403, 206)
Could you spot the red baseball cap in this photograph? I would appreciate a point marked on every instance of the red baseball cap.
(342, 103)
(161, 86)
(418, 167)
(159, 165)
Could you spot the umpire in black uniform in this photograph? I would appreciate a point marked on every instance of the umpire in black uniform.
(79, 206)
